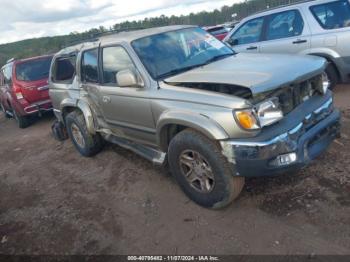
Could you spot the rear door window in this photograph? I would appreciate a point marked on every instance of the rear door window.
(284, 24)
(332, 15)
(33, 70)
(89, 66)
(250, 32)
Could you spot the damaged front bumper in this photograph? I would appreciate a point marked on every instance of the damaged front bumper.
(291, 144)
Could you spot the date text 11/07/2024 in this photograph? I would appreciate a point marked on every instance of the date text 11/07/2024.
(173, 258)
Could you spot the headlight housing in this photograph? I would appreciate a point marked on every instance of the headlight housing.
(263, 114)
(325, 83)
(269, 112)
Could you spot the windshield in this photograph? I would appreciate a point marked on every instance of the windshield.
(173, 52)
(33, 70)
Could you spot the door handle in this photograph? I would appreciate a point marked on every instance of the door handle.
(252, 48)
(106, 99)
(299, 41)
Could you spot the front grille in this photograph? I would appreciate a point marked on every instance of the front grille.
(332, 130)
(293, 95)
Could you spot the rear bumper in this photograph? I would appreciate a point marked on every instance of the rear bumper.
(289, 151)
(23, 107)
(40, 106)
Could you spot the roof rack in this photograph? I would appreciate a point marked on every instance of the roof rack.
(283, 5)
(80, 41)
(96, 36)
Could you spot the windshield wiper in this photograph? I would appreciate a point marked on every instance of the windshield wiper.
(187, 68)
(178, 71)
(218, 57)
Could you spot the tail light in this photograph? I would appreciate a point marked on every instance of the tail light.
(18, 92)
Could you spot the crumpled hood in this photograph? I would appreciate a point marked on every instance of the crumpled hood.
(258, 72)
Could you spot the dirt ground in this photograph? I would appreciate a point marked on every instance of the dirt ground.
(53, 201)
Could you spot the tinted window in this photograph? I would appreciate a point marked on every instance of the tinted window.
(285, 24)
(89, 67)
(64, 69)
(33, 70)
(332, 15)
(115, 59)
(250, 32)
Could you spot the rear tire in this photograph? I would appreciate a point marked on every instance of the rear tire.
(87, 144)
(220, 188)
(22, 121)
(332, 75)
(4, 110)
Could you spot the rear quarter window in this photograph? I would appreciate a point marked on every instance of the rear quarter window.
(332, 15)
(64, 69)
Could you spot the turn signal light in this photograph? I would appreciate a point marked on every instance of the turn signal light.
(247, 120)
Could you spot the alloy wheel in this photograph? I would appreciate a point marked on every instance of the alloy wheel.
(197, 171)
(77, 135)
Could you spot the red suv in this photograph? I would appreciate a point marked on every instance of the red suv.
(219, 31)
(24, 88)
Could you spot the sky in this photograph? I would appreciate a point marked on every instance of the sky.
(23, 19)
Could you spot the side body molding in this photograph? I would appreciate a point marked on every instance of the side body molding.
(198, 122)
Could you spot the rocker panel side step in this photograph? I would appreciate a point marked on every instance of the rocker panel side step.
(151, 154)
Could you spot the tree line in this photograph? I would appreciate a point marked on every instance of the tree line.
(47, 45)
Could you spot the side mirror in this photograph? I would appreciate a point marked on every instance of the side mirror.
(128, 78)
(232, 42)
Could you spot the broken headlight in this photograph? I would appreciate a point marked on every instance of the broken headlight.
(326, 83)
(269, 112)
(263, 114)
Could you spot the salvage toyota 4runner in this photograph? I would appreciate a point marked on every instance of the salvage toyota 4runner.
(177, 95)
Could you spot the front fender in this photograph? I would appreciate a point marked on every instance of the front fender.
(198, 122)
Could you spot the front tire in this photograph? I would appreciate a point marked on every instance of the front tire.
(87, 144)
(202, 171)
